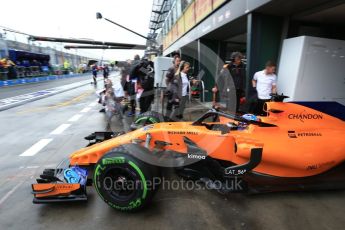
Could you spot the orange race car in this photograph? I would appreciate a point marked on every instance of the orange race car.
(297, 146)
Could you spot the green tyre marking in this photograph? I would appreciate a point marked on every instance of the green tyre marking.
(141, 176)
(113, 160)
(97, 173)
(153, 120)
(140, 119)
(135, 204)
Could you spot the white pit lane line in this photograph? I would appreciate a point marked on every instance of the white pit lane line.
(60, 129)
(7, 195)
(33, 150)
(33, 167)
(85, 110)
(76, 117)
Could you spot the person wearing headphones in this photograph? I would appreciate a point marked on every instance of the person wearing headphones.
(179, 88)
(232, 76)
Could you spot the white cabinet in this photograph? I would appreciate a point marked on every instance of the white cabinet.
(162, 64)
(312, 69)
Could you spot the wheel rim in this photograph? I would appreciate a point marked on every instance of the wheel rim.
(122, 185)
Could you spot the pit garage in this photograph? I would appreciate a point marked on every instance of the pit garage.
(282, 31)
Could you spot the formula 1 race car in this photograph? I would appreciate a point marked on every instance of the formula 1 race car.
(297, 146)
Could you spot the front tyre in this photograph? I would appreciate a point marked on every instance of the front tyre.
(124, 182)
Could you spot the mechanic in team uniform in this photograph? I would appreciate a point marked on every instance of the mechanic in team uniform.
(106, 71)
(179, 88)
(265, 82)
(94, 73)
(168, 79)
(146, 81)
(131, 84)
(235, 71)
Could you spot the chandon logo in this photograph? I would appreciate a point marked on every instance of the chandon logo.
(194, 156)
(305, 116)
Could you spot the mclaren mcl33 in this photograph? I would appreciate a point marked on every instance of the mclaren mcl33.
(297, 146)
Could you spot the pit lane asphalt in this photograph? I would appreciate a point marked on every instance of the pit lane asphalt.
(23, 126)
(12, 91)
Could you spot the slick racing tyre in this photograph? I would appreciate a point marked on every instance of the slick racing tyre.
(124, 182)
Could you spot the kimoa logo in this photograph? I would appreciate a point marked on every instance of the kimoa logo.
(194, 156)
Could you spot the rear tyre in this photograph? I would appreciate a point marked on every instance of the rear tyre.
(147, 118)
(150, 117)
(124, 182)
